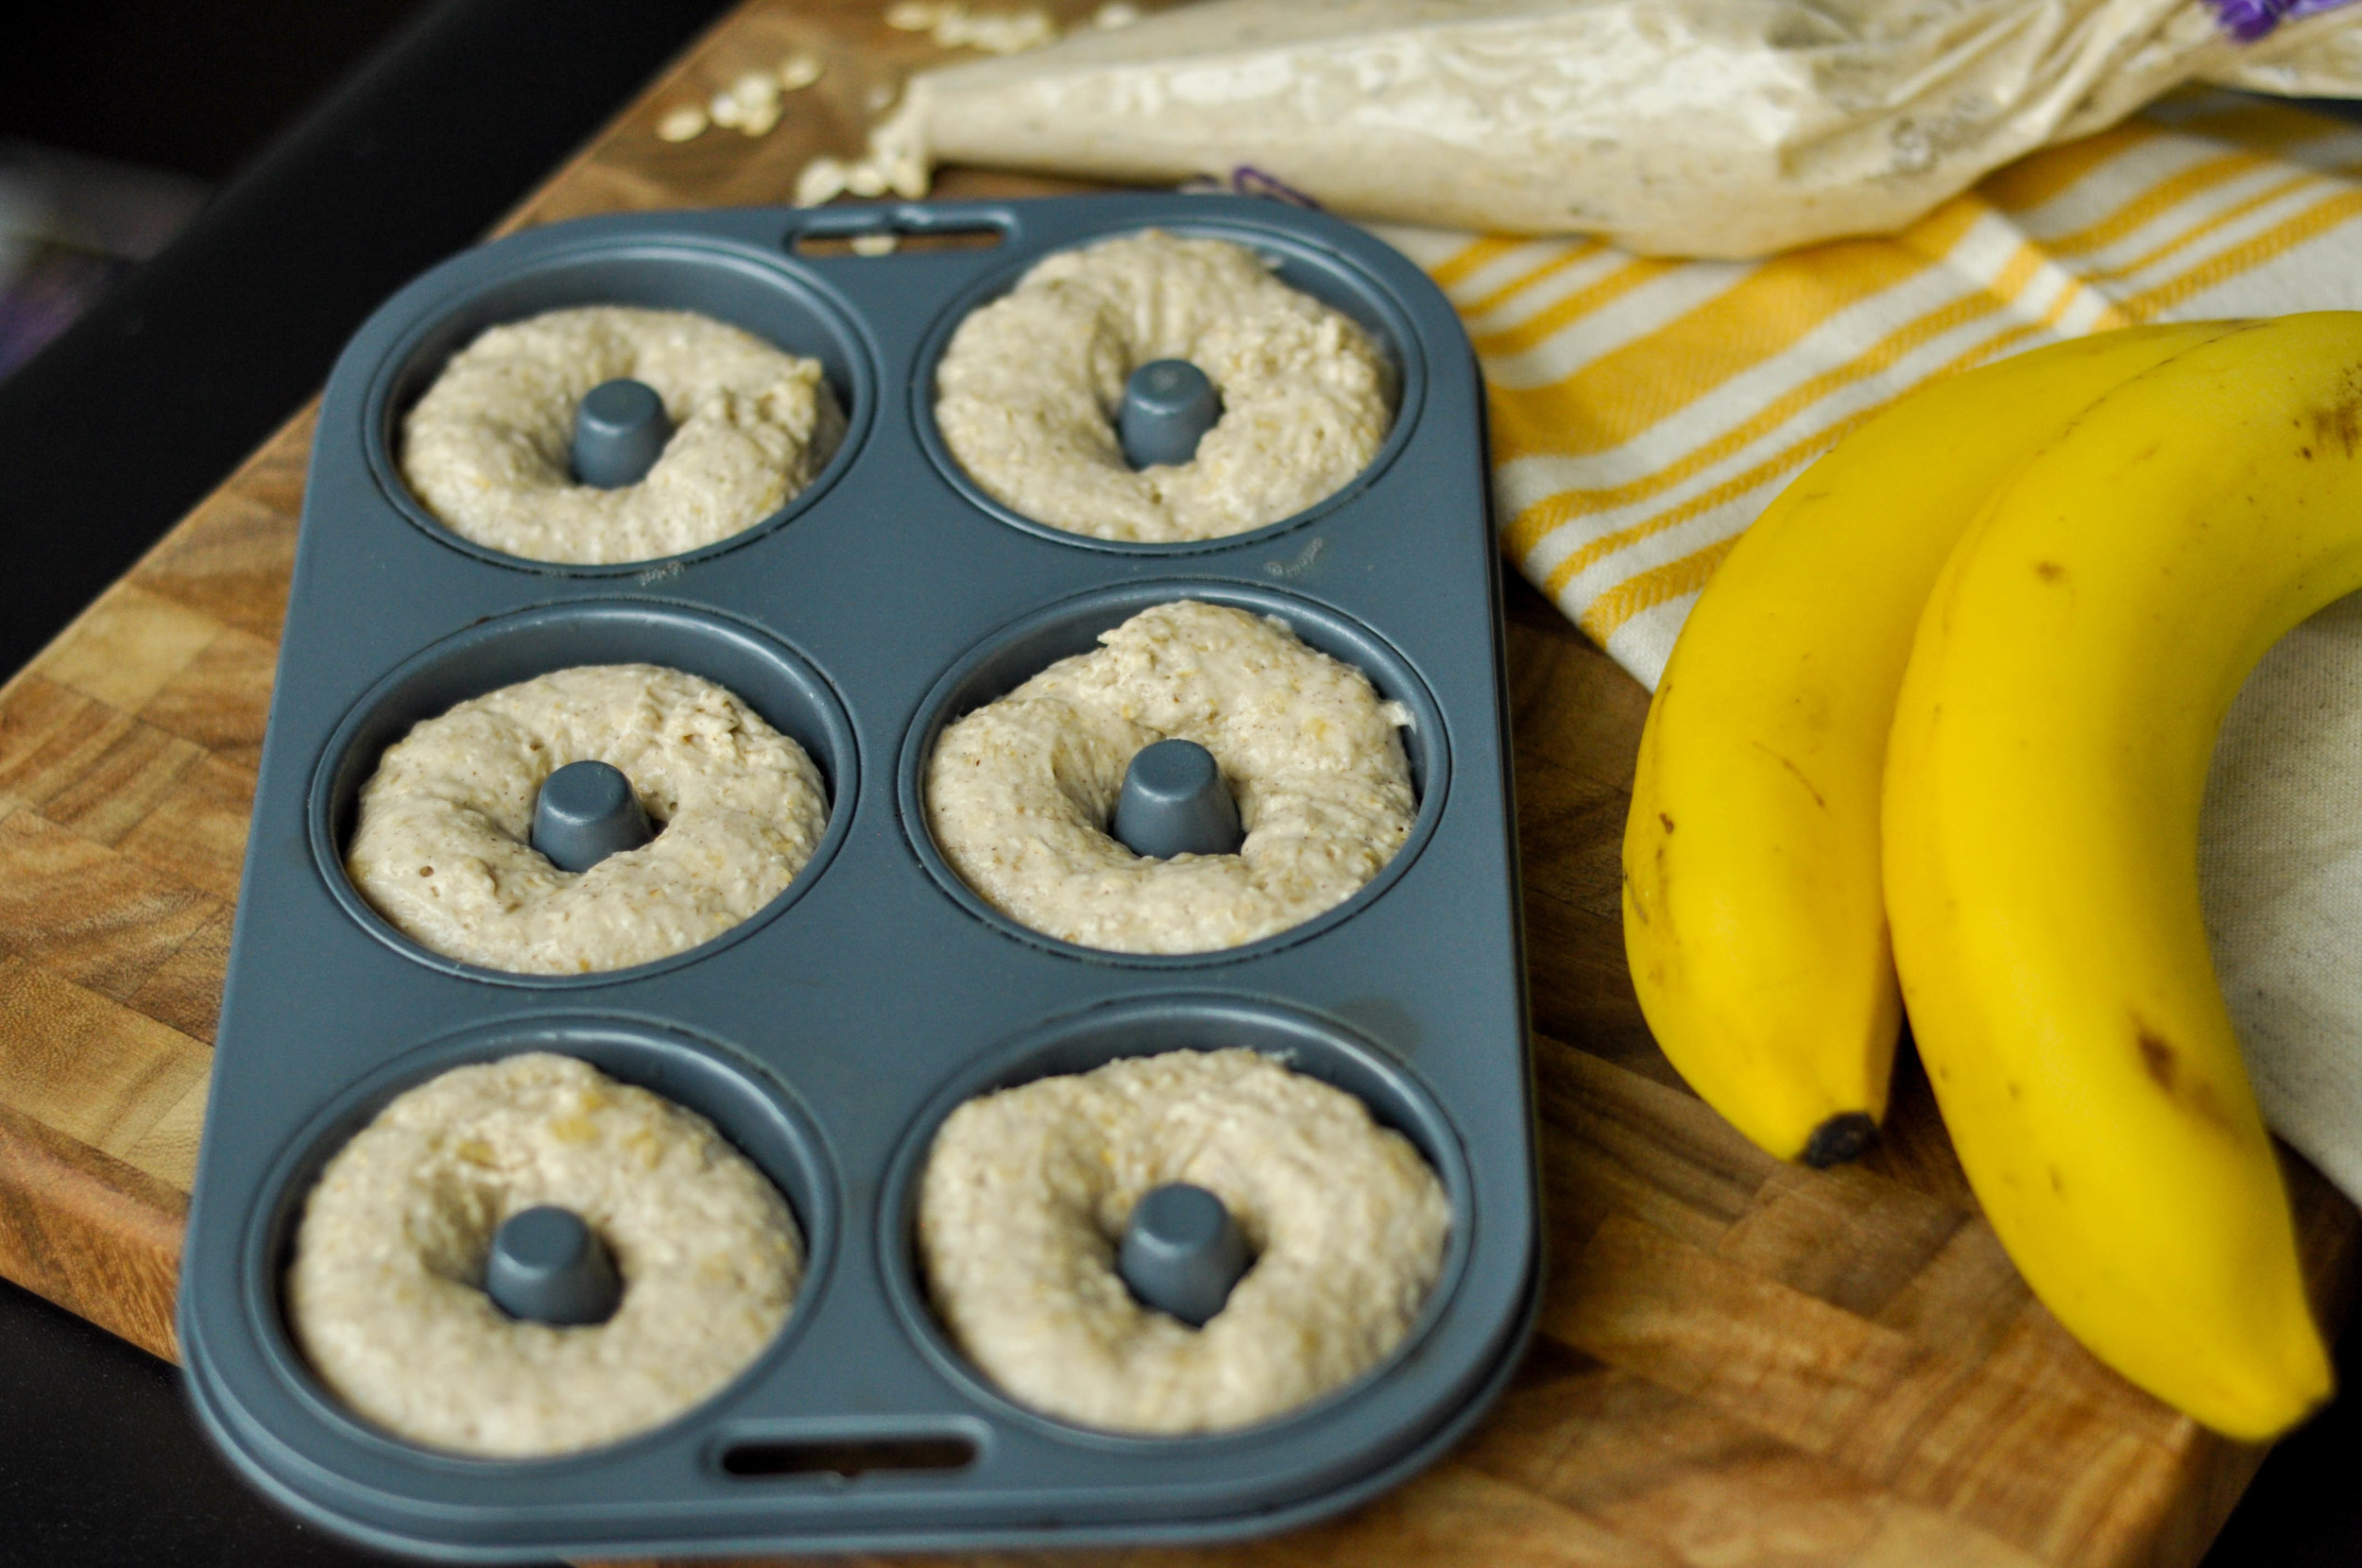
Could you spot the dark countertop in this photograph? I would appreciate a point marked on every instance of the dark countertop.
(100, 1461)
(197, 356)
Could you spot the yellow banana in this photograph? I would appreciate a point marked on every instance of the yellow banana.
(2044, 778)
(1753, 917)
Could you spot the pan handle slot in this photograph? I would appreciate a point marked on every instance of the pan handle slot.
(846, 1458)
(879, 230)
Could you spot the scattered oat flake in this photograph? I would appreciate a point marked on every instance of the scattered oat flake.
(727, 109)
(822, 179)
(1116, 13)
(995, 33)
(865, 179)
(799, 70)
(881, 97)
(756, 87)
(913, 16)
(873, 245)
(761, 118)
(685, 124)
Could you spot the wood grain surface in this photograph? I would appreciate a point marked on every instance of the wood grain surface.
(1739, 1363)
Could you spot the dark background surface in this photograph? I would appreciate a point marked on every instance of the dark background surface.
(195, 88)
(360, 142)
(355, 142)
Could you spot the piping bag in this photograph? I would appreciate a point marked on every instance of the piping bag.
(1673, 128)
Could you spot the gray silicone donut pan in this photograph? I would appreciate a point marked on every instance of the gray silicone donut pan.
(827, 1037)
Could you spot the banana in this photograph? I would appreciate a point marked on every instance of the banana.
(2041, 797)
(1753, 921)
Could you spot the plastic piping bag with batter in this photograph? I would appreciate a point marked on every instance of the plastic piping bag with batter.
(1688, 128)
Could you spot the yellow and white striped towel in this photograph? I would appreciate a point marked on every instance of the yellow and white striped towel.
(1644, 412)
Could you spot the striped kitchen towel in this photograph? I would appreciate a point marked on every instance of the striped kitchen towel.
(1645, 412)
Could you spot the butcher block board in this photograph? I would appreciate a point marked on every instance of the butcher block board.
(1740, 1362)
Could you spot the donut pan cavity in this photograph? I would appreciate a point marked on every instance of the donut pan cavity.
(770, 678)
(1301, 263)
(678, 271)
(1307, 1042)
(1012, 655)
(829, 1036)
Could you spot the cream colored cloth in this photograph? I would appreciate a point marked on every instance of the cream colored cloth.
(2280, 858)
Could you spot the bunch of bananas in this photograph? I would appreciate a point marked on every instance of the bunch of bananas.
(1959, 683)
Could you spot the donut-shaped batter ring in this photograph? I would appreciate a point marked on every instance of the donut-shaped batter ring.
(1024, 1200)
(1028, 391)
(444, 850)
(488, 448)
(386, 1295)
(1019, 791)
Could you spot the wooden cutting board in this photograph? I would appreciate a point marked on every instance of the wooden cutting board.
(1740, 1362)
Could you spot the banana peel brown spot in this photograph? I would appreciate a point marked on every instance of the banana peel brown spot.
(1665, 817)
(1640, 890)
(1791, 767)
(2163, 1062)
(2343, 422)
(2049, 571)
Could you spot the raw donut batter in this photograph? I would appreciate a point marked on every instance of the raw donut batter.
(385, 1294)
(486, 448)
(1018, 792)
(444, 851)
(1027, 391)
(1024, 1200)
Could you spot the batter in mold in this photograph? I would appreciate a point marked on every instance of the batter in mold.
(486, 448)
(1028, 391)
(385, 1296)
(1026, 1194)
(444, 851)
(1019, 791)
